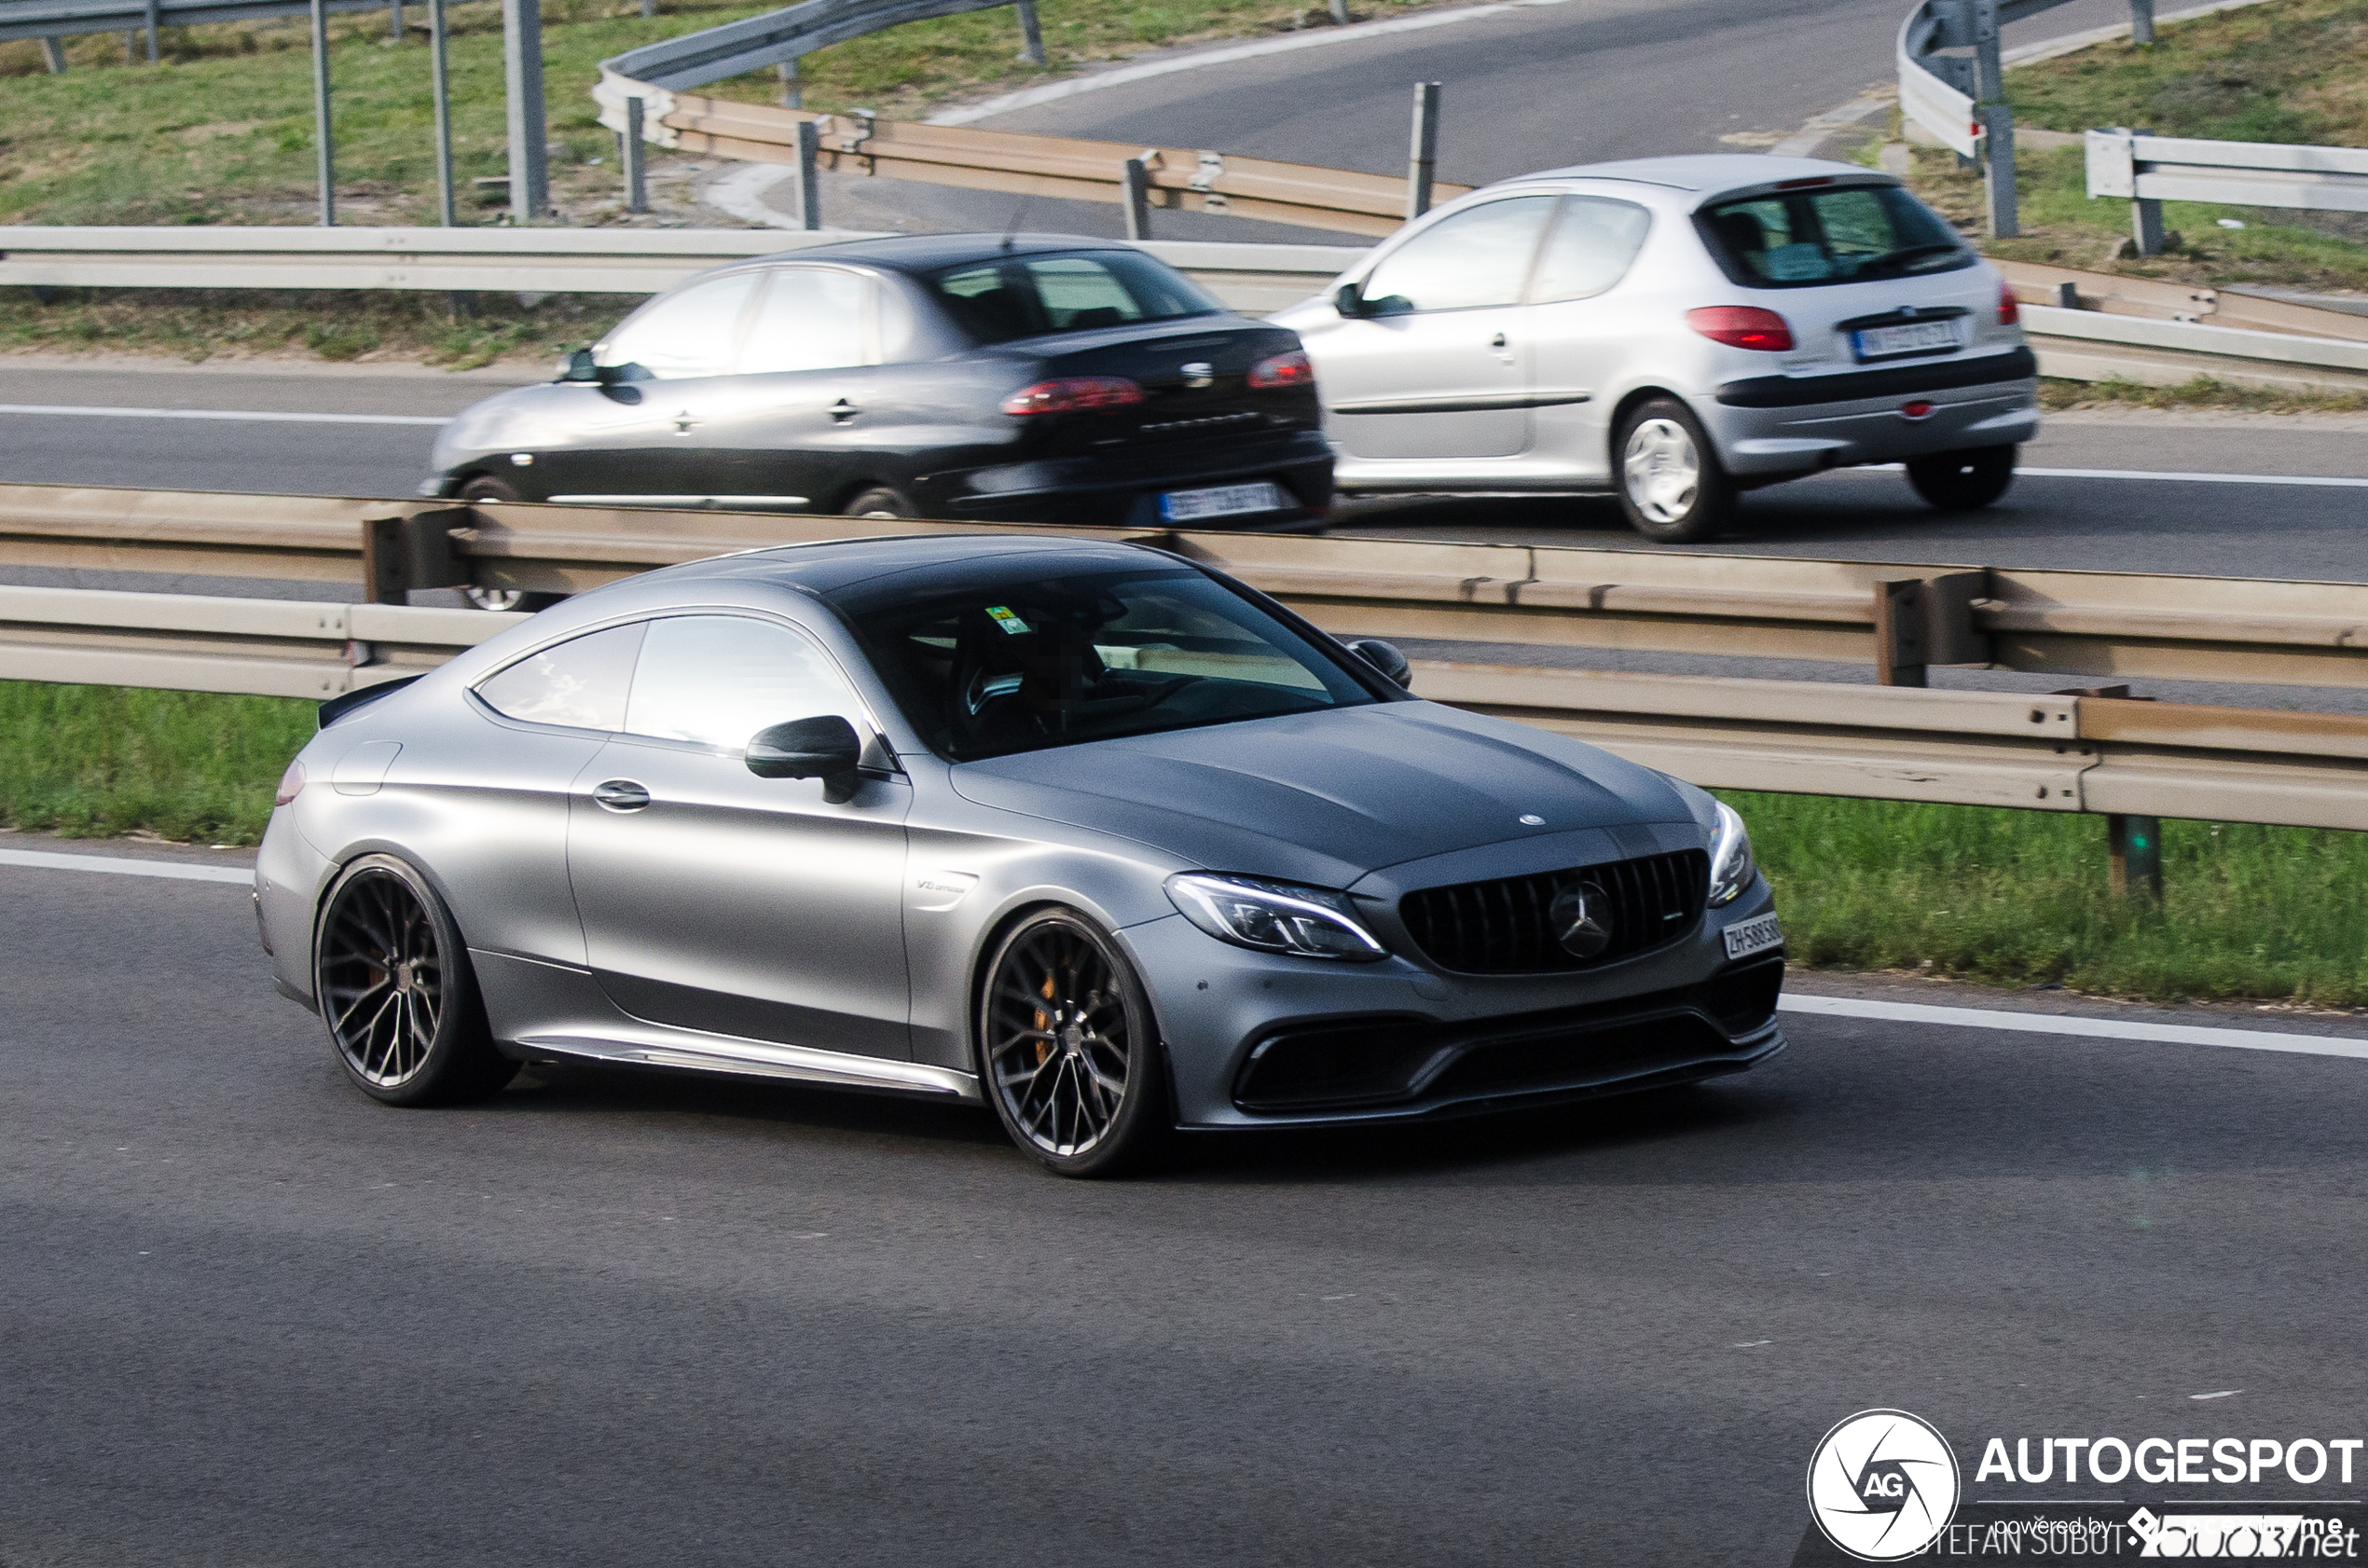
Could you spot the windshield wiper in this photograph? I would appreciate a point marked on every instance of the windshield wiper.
(1907, 254)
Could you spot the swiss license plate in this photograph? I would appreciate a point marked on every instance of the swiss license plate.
(1908, 338)
(1758, 935)
(1223, 500)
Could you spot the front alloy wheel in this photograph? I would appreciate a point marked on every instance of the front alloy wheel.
(1672, 487)
(1068, 1052)
(396, 991)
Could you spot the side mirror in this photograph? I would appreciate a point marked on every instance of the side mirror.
(1385, 658)
(826, 748)
(578, 367)
(1349, 300)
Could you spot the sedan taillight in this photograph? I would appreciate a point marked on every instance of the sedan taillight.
(291, 784)
(1073, 394)
(1741, 326)
(2010, 309)
(1283, 370)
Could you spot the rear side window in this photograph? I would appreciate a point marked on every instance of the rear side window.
(1589, 248)
(1479, 257)
(580, 683)
(1030, 296)
(717, 679)
(811, 317)
(1802, 238)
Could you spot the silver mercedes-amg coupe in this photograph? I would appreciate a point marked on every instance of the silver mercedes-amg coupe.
(1085, 831)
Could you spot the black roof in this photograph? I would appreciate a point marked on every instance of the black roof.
(928, 253)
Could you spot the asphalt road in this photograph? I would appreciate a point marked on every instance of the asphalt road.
(249, 1317)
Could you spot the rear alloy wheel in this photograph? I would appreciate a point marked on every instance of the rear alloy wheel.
(1068, 1049)
(881, 501)
(1671, 484)
(486, 487)
(1963, 481)
(397, 993)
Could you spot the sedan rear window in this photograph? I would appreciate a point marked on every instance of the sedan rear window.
(1025, 663)
(1032, 296)
(1802, 238)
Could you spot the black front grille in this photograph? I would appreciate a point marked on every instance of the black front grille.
(1501, 928)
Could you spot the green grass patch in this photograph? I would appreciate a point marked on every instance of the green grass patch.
(2011, 898)
(2199, 393)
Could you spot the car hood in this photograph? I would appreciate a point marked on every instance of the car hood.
(1324, 798)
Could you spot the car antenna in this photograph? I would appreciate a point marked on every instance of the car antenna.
(1019, 210)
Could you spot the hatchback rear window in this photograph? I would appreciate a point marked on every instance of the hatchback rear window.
(1031, 295)
(1802, 238)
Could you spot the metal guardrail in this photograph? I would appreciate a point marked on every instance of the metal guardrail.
(1899, 617)
(60, 18)
(2148, 171)
(712, 54)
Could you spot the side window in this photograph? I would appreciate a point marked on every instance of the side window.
(717, 679)
(580, 683)
(693, 333)
(1588, 251)
(811, 317)
(1479, 257)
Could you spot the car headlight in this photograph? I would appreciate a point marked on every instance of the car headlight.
(1273, 917)
(1731, 867)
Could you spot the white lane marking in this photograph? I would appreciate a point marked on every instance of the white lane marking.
(92, 411)
(2339, 482)
(2223, 1394)
(118, 865)
(1027, 98)
(2061, 1023)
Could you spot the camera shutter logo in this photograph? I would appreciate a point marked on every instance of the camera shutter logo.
(1883, 1485)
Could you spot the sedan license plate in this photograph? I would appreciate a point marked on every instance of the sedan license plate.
(1758, 935)
(1909, 337)
(1224, 500)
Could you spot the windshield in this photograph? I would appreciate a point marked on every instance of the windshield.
(1021, 665)
(1031, 295)
(1800, 239)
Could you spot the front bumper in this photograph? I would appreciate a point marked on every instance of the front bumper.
(1125, 494)
(1258, 1041)
(1777, 426)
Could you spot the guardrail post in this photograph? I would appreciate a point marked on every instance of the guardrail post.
(1032, 35)
(394, 21)
(1135, 180)
(528, 128)
(2141, 22)
(324, 149)
(808, 174)
(1998, 170)
(1340, 12)
(441, 78)
(1903, 649)
(154, 22)
(2134, 850)
(635, 156)
(53, 54)
(403, 553)
(793, 85)
(1421, 161)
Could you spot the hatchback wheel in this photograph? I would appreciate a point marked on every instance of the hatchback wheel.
(397, 993)
(1671, 484)
(1963, 481)
(881, 501)
(1068, 1049)
(485, 487)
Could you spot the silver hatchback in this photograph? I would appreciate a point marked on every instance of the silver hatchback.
(1674, 331)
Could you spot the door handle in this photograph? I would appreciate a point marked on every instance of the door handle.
(621, 794)
(683, 421)
(843, 411)
(1497, 341)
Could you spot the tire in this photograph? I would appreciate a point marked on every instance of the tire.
(1670, 484)
(397, 993)
(1081, 1083)
(1963, 481)
(880, 501)
(486, 487)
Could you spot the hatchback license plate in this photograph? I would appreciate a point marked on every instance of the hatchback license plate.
(1758, 935)
(1909, 337)
(1224, 500)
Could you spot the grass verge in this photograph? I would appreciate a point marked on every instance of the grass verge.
(2013, 898)
(2200, 394)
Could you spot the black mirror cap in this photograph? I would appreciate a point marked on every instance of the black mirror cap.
(1349, 299)
(1385, 658)
(827, 749)
(578, 367)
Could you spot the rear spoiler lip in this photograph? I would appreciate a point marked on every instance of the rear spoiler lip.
(338, 707)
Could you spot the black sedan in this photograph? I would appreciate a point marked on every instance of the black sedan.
(1005, 378)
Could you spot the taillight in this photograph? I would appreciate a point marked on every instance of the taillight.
(291, 784)
(1073, 394)
(2010, 309)
(1283, 370)
(1741, 326)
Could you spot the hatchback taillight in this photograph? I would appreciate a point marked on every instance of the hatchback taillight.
(2010, 309)
(291, 784)
(1283, 370)
(1073, 394)
(1741, 326)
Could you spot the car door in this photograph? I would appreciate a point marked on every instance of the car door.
(717, 900)
(789, 429)
(1437, 366)
(1583, 337)
(643, 438)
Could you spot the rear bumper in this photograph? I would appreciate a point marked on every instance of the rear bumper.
(1777, 426)
(1090, 490)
